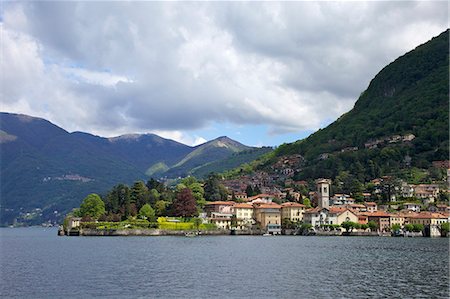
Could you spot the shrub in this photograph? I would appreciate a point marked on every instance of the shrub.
(418, 227)
(409, 227)
(445, 228)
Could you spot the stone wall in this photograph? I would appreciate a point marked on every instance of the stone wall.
(144, 232)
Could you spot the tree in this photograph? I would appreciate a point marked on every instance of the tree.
(372, 225)
(396, 227)
(197, 223)
(348, 225)
(418, 227)
(212, 189)
(307, 202)
(184, 205)
(92, 206)
(234, 222)
(409, 227)
(147, 212)
(139, 194)
(197, 190)
(445, 228)
(154, 184)
(160, 207)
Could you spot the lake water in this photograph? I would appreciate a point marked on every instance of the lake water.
(36, 263)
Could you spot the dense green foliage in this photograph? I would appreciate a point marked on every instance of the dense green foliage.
(147, 212)
(92, 206)
(445, 228)
(410, 95)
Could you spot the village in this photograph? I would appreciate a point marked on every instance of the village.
(331, 214)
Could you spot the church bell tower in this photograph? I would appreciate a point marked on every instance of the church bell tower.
(323, 189)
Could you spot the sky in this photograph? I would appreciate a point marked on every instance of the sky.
(262, 73)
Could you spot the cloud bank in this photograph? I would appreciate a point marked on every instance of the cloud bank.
(118, 67)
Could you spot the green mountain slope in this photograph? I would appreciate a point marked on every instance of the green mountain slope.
(409, 96)
(47, 168)
(230, 162)
(209, 152)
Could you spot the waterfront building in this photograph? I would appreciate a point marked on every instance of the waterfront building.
(292, 211)
(382, 219)
(268, 213)
(332, 215)
(431, 221)
(223, 207)
(244, 214)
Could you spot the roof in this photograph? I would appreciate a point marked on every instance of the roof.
(428, 215)
(243, 206)
(292, 205)
(338, 210)
(263, 195)
(223, 203)
(356, 205)
(378, 214)
(313, 210)
(267, 206)
(370, 203)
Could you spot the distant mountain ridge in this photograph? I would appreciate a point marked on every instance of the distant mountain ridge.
(43, 166)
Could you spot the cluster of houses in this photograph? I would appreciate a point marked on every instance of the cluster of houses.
(262, 212)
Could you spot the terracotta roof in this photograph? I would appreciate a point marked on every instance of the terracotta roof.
(292, 204)
(370, 203)
(267, 206)
(313, 210)
(243, 206)
(428, 215)
(226, 203)
(378, 214)
(338, 210)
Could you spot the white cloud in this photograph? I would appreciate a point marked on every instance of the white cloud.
(122, 67)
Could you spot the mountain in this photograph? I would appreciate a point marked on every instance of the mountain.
(399, 122)
(45, 169)
(211, 151)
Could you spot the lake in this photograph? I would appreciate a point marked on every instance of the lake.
(36, 263)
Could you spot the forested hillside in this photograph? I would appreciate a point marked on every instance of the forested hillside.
(409, 96)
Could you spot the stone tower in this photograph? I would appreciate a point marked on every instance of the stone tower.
(323, 189)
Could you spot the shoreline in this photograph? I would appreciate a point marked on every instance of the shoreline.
(190, 233)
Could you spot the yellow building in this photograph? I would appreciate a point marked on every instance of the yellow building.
(244, 214)
(396, 219)
(427, 218)
(292, 211)
(431, 221)
(268, 214)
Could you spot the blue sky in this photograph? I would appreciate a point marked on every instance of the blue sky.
(254, 135)
(261, 73)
